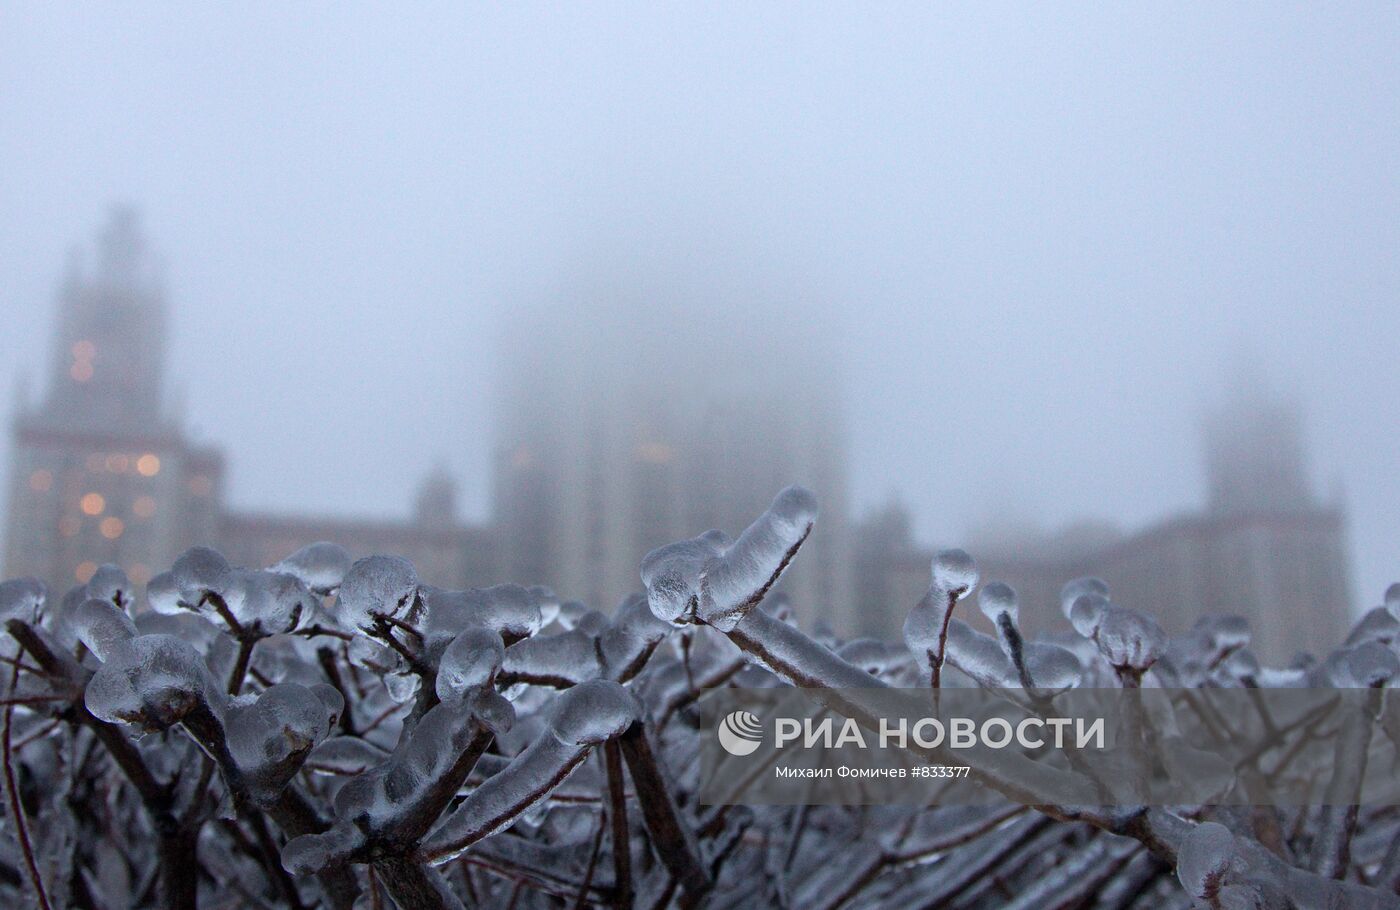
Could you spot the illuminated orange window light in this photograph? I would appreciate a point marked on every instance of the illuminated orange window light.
(148, 465)
(92, 504)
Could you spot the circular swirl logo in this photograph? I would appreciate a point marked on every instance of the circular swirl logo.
(740, 733)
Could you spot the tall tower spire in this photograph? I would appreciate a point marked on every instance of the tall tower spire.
(108, 356)
(1255, 457)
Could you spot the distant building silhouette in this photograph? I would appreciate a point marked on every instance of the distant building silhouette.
(102, 472)
(615, 439)
(1264, 548)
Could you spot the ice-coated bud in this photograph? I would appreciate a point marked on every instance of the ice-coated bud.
(102, 626)
(369, 654)
(1242, 664)
(570, 656)
(998, 599)
(286, 720)
(22, 599)
(163, 594)
(1364, 666)
(200, 570)
(512, 610)
(1079, 587)
(1379, 624)
(345, 756)
(980, 657)
(671, 574)
(58, 617)
(1129, 640)
(492, 710)
(471, 660)
(592, 712)
(592, 622)
(110, 583)
(271, 602)
(1204, 859)
(509, 610)
(629, 635)
(376, 586)
(634, 615)
(151, 680)
(320, 566)
(954, 573)
(1087, 612)
(1227, 633)
(924, 625)
(734, 583)
(1052, 669)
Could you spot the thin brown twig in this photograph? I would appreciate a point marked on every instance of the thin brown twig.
(16, 808)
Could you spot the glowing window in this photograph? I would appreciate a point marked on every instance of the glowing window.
(81, 371)
(41, 481)
(148, 465)
(93, 504)
(118, 463)
(84, 571)
(112, 527)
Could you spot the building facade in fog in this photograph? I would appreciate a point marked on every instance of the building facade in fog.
(628, 428)
(1265, 547)
(102, 471)
(622, 428)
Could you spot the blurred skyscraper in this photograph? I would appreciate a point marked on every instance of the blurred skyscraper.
(103, 472)
(625, 427)
(1265, 547)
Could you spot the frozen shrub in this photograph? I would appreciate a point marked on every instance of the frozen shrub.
(426, 748)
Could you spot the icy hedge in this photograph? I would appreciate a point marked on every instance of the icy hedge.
(332, 734)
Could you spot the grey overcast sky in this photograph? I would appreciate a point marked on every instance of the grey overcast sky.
(1043, 235)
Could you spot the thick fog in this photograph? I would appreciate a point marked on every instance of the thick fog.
(1043, 242)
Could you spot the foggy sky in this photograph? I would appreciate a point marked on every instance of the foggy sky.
(1044, 237)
